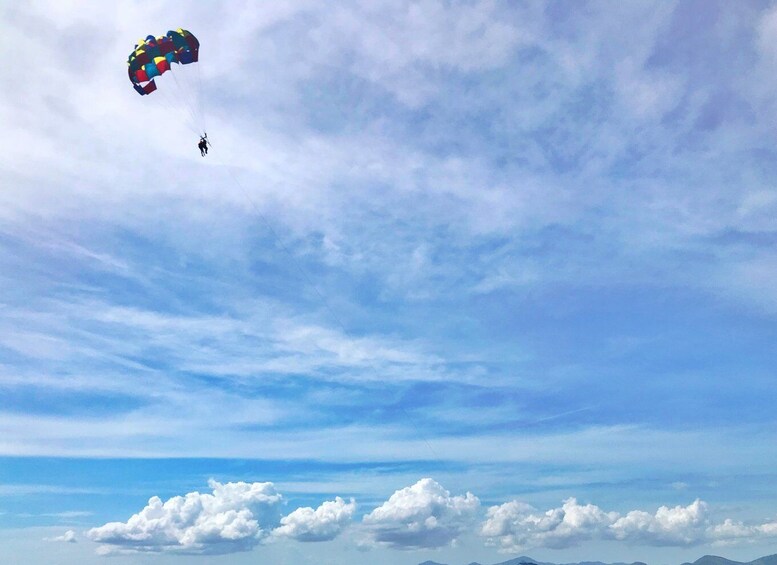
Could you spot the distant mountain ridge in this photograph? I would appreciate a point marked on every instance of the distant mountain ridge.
(525, 560)
(716, 560)
(706, 560)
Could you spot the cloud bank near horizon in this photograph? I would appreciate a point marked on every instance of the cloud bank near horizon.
(239, 516)
(515, 526)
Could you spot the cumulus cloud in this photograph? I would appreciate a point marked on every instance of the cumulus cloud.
(424, 515)
(730, 532)
(68, 537)
(238, 516)
(681, 525)
(515, 526)
(322, 524)
(235, 517)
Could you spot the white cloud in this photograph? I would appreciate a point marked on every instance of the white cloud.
(516, 526)
(322, 524)
(730, 532)
(403, 46)
(238, 516)
(767, 35)
(235, 517)
(424, 515)
(244, 344)
(68, 537)
(681, 525)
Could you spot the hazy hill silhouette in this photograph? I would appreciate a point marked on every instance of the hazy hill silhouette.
(706, 560)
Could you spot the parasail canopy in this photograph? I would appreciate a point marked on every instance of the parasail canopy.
(153, 56)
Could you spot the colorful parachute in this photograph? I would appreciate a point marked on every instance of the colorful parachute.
(154, 55)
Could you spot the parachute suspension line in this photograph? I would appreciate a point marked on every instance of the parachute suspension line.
(174, 105)
(185, 100)
(189, 84)
(196, 103)
(164, 100)
(188, 89)
(182, 95)
(168, 102)
(201, 97)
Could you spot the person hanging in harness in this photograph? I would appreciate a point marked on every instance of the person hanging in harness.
(203, 145)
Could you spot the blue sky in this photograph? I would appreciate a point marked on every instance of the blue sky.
(458, 281)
